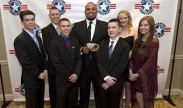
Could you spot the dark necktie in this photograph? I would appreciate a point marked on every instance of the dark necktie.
(111, 49)
(68, 44)
(89, 29)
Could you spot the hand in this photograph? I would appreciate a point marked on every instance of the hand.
(42, 76)
(96, 48)
(46, 74)
(85, 50)
(73, 78)
(133, 77)
(105, 86)
(111, 81)
(130, 72)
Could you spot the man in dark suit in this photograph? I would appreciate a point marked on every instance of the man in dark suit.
(65, 56)
(31, 55)
(112, 61)
(48, 33)
(89, 32)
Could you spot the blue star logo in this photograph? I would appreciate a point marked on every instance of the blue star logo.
(60, 5)
(159, 29)
(15, 7)
(103, 7)
(146, 7)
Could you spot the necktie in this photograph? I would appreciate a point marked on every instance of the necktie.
(36, 41)
(89, 30)
(111, 49)
(68, 44)
(58, 30)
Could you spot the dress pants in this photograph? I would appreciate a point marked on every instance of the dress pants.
(89, 74)
(110, 99)
(67, 97)
(34, 96)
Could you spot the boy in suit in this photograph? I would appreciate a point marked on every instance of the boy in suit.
(112, 61)
(65, 56)
(31, 55)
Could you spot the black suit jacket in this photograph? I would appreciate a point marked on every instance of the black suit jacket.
(31, 59)
(49, 33)
(66, 63)
(79, 31)
(116, 65)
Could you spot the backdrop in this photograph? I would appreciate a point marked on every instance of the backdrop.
(163, 11)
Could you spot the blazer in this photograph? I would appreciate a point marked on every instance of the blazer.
(49, 33)
(116, 65)
(31, 59)
(79, 31)
(65, 62)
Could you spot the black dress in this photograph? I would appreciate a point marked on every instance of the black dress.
(130, 41)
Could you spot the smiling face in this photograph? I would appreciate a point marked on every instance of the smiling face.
(29, 22)
(113, 30)
(123, 19)
(54, 16)
(65, 28)
(144, 27)
(90, 11)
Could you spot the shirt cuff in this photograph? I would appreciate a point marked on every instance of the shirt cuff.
(105, 78)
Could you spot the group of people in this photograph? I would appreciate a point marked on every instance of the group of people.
(112, 55)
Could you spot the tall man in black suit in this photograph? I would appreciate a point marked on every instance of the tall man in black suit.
(65, 56)
(112, 61)
(89, 32)
(31, 55)
(48, 33)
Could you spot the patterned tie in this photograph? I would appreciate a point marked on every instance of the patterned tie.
(111, 49)
(36, 41)
(89, 30)
(68, 44)
(58, 30)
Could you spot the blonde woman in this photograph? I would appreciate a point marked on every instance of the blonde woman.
(129, 34)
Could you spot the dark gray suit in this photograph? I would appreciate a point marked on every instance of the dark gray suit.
(66, 62)
(113, 66)
(33, 63)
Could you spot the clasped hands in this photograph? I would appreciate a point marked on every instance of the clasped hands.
(93, 47)
(73, 78)
(44, 75)
(110, 81)
(132, 76)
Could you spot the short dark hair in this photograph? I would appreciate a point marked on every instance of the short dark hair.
(26, 12)
(63, 19)
(53, 8)
(115, 20)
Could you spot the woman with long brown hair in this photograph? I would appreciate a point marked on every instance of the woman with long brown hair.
(143, 65)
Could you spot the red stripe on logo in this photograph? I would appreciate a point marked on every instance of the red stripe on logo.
(137, 6)
(167, 29)
(68, 5)
(12, 52)
(17, 89)
(6, 7)
(24, 7)
(112, 6)
(49, 6)
(161, 70)
(156, 6)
